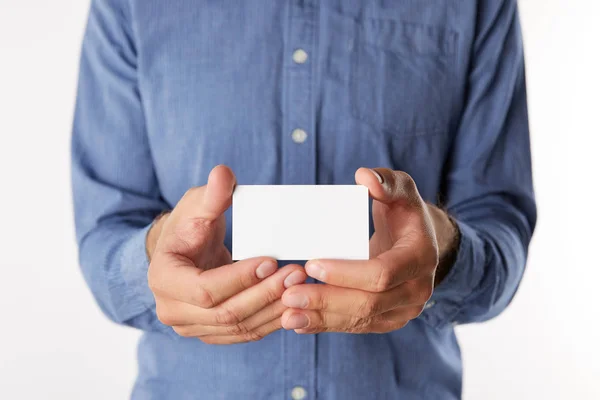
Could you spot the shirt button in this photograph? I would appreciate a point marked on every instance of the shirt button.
(299, 135)
(298, 393)
(300, 56)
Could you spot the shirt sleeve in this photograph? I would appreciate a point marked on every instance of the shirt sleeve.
(115, 190)
(488, 182)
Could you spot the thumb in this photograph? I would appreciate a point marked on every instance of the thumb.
(198, 205)
(389, 187)
(219, 189)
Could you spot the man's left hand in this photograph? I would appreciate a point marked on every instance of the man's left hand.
(391, 288)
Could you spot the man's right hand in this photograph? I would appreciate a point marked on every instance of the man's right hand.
(198, 290)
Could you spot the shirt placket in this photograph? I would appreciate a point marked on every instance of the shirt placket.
(299, 136)
(299, 167)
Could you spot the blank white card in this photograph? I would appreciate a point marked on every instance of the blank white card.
(300, 222)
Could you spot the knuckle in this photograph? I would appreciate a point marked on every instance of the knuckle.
(226, 317)
(403, 177)
(406, 185)
(272, 295)
(237, 329)
(203, 298)
(317, 300)
(252, 336)
(246, 279)
(384, 278)
(406, 181)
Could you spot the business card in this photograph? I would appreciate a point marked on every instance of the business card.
(300, 222)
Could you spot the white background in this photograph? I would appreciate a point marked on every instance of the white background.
(54, 342)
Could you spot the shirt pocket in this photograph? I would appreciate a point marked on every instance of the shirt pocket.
(400, 73)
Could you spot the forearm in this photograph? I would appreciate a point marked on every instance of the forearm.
(488, 185)
(490, 260)
(114, 265)
(502, 236)
(116, 194)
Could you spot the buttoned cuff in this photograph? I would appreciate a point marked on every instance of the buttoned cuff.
(134, 271)
(453, 293)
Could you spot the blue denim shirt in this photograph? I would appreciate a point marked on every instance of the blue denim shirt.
(436, 88)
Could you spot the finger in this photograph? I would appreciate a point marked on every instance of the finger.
(252, 336)
(398, 204)
(210, 201)
(219, 190)
(271, 312)
(225, 282)
(176, 277)
(196, 215)
(379, 274)
(354, 302)
(310, 321)
(395, 319)
(389, 187)
(243, 305)
(236, 309)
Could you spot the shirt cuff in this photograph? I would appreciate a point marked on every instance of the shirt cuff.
(453, 293)
(134, 271)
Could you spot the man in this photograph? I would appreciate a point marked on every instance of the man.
(423, 102)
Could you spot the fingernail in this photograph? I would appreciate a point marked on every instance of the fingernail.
(266, 268)
(315, 270)
(378, 175)
(297, 321)
(295, 278)
(295, 300)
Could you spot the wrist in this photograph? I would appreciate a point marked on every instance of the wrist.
(448, 239)
(154, 233)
